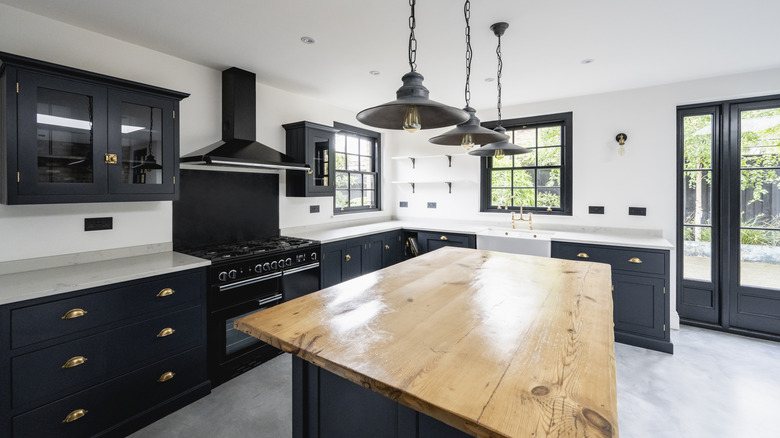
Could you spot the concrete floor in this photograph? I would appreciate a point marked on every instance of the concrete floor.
(715, 385)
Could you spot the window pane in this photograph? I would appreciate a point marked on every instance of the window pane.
(760, 258)
(368, 181)
(503, 162)
(524, 197)
(548, 178)
(523, 178)
(366, 147)
(341, 142)
(697, 247)
(342, 198)
(549, 198)
(366, 164)
(501, 178)
(549, 156)
(758, 198)
(368, 197)
(353, 162)
(341, 162)
(356, 198)
(698, 141)
(342, 180)
(141, 156)
(352, 145)
(526, 160)
(355, 181)
(550, 136)
(759, 138)
(64, 126)
(697, 197)
(500, 196)
(525, 137)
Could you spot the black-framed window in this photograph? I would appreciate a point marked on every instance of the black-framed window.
(358, 170)
(541, 180)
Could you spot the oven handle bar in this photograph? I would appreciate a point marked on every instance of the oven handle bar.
(302, 268)
(270, 299)
(241, 283)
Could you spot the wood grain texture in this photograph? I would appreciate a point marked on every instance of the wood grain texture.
(494, 344)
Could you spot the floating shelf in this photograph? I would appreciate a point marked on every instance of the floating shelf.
(414, 183)
(415, 158)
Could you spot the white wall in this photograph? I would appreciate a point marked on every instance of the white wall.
(46, 230)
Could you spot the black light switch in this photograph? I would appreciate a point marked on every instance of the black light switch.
(596, 209)
(403, 204)
(637, 211)
(431, 205)
(98, 223)
(314, 209)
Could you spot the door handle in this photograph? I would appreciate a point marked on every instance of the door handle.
(635, 260)
(347, 258)
(443, 238)
(583, 255)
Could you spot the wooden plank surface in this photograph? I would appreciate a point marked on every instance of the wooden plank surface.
(494, 344)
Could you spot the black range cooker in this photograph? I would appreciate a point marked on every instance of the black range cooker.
(232, 220)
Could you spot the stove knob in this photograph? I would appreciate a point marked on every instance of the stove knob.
(288, 262)
(266, 266)
(314, 256)
(281, 263)
(273, 265)
(259, 268)
(222, 276)
(232, 274)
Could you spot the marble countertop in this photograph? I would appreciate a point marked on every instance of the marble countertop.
(48, 281)
(591, 235)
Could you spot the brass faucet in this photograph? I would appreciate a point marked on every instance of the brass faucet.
(521, 218)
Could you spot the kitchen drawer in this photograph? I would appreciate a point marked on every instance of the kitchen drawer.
(432, 241)
(39, 376)
(45, 321)
(115, 400)
(620, 258)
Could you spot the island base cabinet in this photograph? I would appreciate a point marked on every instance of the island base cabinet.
(328, 406)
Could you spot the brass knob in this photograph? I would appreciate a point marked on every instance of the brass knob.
(165, 292)
(635, 260)
(387, 247)
(443, 238)
(583, 255)
(166, 377)
(75, 415)
(165, 332)
(74, 313)
(347, 257)
(74, 361)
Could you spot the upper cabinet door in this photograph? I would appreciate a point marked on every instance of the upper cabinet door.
(61, 136)
(141, 133)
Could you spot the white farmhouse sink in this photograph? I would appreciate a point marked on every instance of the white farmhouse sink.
(515, 241)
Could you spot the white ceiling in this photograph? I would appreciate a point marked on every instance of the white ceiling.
(633, 43)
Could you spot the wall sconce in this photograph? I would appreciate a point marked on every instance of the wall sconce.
(621, 139)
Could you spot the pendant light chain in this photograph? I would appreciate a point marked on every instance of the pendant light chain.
(498, 78)
(467, 14)
(412, 39)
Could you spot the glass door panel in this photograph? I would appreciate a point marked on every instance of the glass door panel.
(697, 197)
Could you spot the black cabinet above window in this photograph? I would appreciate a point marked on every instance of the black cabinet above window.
(75, 136)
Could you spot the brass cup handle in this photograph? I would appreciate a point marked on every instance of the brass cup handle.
(387, 247)
(74, 361)
(75, 415)
(166, 292)
(166, 377)
(583, 255)
(443, 238)
(165, 332)
(347, 257)
(74, 313)
(636, 260)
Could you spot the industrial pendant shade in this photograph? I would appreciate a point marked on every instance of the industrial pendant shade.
(469, 133)
(412, 110)
(500, 148)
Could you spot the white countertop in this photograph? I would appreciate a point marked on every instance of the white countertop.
(598, 236)
(19, 286)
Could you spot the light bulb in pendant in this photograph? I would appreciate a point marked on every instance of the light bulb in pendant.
(499, 154)
(468, 142)
(412, 119)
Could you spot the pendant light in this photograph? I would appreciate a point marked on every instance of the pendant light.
(500, 148)
(470, 132)
(412, 110)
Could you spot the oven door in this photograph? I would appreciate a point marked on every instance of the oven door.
(300, 281)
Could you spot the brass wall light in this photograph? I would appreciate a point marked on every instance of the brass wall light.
(621, 139)
(469, 133)
(412, 110)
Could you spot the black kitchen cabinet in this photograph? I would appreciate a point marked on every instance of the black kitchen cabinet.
(430, 241)
(392, 247)
(640, 279)
(75, 136)
(312, 144)
(346, 259)
(106, 360)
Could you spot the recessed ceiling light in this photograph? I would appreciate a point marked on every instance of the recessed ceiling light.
(490, 79)
(587, 61)
(307, 40)
(374, 72)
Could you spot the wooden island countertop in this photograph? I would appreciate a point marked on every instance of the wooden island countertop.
(492, 344)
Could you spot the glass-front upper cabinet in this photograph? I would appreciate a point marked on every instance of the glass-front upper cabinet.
(76, 136)
(313, 144)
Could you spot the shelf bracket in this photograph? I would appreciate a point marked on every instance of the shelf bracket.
(449, 159)
(449, 184)
(411, 183)
(413, 161)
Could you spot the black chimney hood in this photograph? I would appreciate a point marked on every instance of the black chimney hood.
(238, 146)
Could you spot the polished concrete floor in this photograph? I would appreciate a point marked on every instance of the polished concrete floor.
(715, 385)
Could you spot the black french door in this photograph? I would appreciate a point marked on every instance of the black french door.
(729, 215)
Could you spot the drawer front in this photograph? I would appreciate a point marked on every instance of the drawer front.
(433, 241)
(42, 375)
(622, 259)
(111, 402)
(63, 317)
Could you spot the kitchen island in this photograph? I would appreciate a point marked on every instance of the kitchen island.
(455, 342)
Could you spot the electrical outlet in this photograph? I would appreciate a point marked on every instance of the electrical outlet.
(637, 211)
(403, 204)
(431, 205)
(98, 223)
(314, 209)
(596, 209)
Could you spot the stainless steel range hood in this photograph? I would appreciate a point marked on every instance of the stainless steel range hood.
(238, 147)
